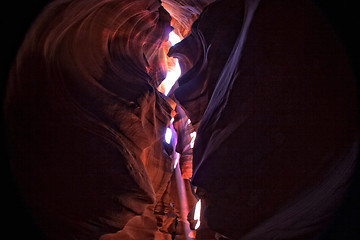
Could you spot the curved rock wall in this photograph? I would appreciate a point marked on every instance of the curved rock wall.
(278, 129)
(266, 84)
(85, 120)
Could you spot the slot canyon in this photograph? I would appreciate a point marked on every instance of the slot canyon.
(181, 120)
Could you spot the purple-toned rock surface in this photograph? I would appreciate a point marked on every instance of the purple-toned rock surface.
(277, 140)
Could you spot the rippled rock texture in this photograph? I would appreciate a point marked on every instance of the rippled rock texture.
(85, 120)
(266, 84)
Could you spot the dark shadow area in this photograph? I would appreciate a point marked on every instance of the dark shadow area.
(343, 16)
(17, 18)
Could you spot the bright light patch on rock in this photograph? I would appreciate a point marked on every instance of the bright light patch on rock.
(193, 137)
(197, 214)
(174, 73)
(168, 135)
(173, 38)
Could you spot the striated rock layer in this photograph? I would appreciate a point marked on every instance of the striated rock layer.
(85, 120)
(266, 85)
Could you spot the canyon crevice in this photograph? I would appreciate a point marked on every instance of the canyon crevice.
(266, 86)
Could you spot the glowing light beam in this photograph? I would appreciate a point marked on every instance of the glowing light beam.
(176, 159)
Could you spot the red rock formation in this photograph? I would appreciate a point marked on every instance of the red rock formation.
(184, 13)
(85, 120)
(266, 84)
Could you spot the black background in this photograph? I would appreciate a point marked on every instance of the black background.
(17, 18)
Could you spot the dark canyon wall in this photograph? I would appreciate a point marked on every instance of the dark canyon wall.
(278, 136)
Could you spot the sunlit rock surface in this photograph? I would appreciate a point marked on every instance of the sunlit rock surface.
(272, 90)
(184, 13)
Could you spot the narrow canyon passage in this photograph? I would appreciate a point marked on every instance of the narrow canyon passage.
(183, 119)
